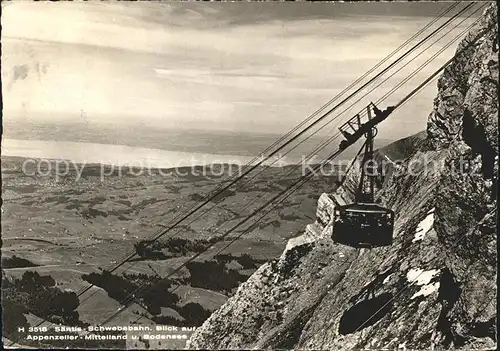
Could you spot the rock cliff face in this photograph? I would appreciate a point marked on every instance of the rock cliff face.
(435, 287)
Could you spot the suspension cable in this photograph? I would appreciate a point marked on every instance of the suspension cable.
(436, 18)
(303, 179)
(467, 7)
(297, 184)
(226, 187)
(327, 142)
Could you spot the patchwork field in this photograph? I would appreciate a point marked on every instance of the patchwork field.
(75, 228)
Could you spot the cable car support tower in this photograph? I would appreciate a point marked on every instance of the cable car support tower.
(353, 130)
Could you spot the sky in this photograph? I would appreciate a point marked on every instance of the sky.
(249, 67)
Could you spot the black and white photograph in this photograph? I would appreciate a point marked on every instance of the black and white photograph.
(235, 175)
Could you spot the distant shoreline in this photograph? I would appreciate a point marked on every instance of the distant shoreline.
(122, 155)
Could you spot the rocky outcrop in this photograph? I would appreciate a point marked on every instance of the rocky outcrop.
(465, 107)
(435, 286)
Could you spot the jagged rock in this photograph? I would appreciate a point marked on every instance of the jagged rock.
(323, 211)
(469, 85)
(435, 287)
(321, 228)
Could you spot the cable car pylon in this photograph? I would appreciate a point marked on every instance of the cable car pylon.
(364, 223)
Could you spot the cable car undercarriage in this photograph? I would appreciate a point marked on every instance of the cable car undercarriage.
(364, 223)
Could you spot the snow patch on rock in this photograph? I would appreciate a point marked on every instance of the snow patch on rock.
(421, 277)
(424, 226)
(426, 290)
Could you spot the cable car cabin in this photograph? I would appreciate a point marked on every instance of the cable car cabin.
(363, 225)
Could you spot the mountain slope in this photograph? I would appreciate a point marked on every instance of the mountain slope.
(435, 287)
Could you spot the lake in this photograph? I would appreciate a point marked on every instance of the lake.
(150, 147)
